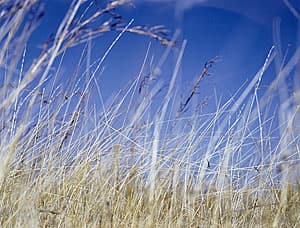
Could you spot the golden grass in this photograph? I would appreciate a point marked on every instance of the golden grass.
(95, 200)
(65, 163)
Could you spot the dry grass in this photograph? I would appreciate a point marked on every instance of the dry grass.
(66, 163)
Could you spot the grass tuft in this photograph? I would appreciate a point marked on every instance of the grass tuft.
(144, 159)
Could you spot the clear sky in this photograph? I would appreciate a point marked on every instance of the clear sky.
(240, 32)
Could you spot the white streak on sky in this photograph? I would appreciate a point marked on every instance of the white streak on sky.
(261, 11)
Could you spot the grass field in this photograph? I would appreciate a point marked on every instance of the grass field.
(144, 159)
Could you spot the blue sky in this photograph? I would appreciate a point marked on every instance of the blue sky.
(240, 32)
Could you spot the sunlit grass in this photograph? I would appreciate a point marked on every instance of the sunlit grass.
(150, 157)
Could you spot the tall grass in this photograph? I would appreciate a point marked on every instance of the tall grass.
(148, 158)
